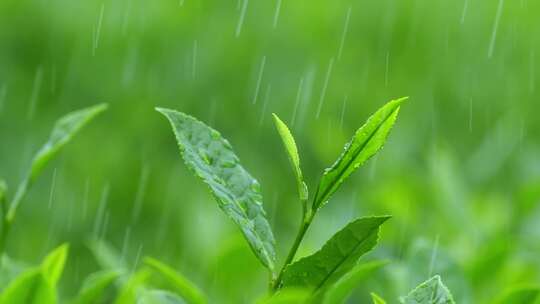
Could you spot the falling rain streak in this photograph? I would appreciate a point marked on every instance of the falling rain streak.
(141, 191)
(276, 13)
(38, 78)
(53, 186)
(342, 117)
(259, 79)
(323, 92)
(100, 221)
(194, 60)
(241, 19)
(344, 34)
(265, 104)
(495, 27)
(297, 100)
(97, 30)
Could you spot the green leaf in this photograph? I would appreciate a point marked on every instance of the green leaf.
(31, 287)
(3, 190)
(94, 287)
(337, 257)
(133, 286)
(178, 282)
(9, 269)
(212, 158)
(376, 299)
(53, 264)
(366, 142)
(107, 256)
(155, 296)
(288, 296)
(339, 292)
(292, 152)
(520, 295)
(431, 291)
(63, 131)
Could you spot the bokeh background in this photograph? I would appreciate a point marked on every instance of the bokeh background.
(460, 173)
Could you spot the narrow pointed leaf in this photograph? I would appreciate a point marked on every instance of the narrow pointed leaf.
(432, 291)
(63, 131)
(376, 299)
(178, 282)
(292, 152)
(337, 257)
(154, 296)
(366, 142)
(94, 287)
(31, 287)
(288, 296)
(134, 285)
(520, 295)
(212, 158)
(53, 264)
(338, 293)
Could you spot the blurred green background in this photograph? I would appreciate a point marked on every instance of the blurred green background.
(460, 173)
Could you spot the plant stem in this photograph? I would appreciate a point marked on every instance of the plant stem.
(306, 222)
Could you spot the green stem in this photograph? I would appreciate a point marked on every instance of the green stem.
(306, 222)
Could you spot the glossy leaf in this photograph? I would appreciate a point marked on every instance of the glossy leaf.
(376, 299)
(431, 291)
(134, 285)
(337, 257)
(31, 287)
(294, 158)
(107, 256)
(53, 264)
(520, 295)
(366, 142)
(178, 282)
(288, 296)
(338, 293)
(212, 158)
(94, 287)
(63, 131)
(154, 296)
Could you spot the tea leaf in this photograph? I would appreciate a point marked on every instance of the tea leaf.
(376, 299)
(63, 131)
(130, 290)
(211, 157)
(431, 291)
(31, 287)
(337, 257)
(366, 142)
(53, 264)
(339, 292)
(288, 296)
(181, 285)
(520, 295)
(292, 152)
(94, 286)
(155, 296)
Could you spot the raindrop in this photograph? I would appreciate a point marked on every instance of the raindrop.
(97, 30)
(53, 186)
(3, 94)
(194, 60)
(470, 114)
(125, 243)
(532, 75)
(125, 22)
(85, 198)
(344, 34)
(495, 27)
(259, 79)
(433, 256)
(101, 210)
(38, 78)
(265, 103)
(53, 78)
(387, 63)
(343, 112)
(241, 19)
(297, 101)
(137, 258)
(464, 12)
(323, 92)
(276, 13)
(141, 191)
